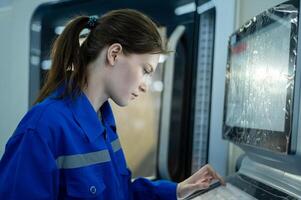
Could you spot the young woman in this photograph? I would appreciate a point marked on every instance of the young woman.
(62, 149)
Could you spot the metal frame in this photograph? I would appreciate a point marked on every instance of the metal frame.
(166, 105)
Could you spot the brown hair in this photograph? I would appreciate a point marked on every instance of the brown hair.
(136, 32)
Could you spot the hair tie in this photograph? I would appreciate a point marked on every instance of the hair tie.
(92, 22)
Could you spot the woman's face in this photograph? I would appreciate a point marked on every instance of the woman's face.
(130, 76)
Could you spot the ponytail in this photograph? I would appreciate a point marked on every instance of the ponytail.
(67, 64)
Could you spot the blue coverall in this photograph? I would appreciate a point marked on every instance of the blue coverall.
(61, 150)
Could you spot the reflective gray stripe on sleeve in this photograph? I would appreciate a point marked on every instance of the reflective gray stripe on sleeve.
(116, 145)
(82, 160)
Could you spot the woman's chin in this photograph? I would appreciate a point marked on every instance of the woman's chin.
(122, 102)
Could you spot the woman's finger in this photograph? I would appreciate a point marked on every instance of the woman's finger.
(205, 179)
(199, 186)
(216, 175)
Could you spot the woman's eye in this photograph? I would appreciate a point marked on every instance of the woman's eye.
(145, 71)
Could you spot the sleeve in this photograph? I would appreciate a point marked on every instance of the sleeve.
(28, 169)
(145, 189)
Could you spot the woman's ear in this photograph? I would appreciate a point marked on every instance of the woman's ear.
(113, 52)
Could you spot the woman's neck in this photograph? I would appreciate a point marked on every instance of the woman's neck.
(96, 100)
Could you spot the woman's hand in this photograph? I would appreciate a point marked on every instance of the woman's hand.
(198, 181)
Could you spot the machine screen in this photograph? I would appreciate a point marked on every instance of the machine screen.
(260, 85)
(259, 75)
